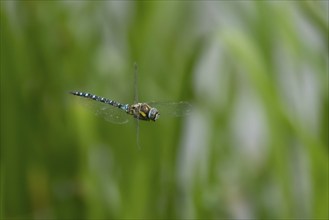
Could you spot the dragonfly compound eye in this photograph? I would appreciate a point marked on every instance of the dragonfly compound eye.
(153, 114)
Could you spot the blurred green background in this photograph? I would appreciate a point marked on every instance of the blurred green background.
(255, 146)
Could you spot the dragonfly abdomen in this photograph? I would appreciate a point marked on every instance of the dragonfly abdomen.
(124, 107)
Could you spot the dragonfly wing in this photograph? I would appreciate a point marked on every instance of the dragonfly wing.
(172, 109)
(112, 114)
(108, 112)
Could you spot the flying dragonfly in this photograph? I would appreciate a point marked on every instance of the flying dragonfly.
(116, 112)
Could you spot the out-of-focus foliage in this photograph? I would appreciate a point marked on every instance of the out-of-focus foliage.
(255, 146)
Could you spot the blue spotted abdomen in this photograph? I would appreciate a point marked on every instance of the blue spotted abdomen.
(124, 107)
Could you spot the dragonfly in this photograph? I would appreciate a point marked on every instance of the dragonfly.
(118, 113)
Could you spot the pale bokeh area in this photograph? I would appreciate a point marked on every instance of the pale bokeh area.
(255, 145)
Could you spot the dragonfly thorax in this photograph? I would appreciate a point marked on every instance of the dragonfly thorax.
(143, 111)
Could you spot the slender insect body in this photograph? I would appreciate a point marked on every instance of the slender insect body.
(141, 111)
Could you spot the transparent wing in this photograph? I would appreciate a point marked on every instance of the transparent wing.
(112, 114)
(172, 109)
(106, 111)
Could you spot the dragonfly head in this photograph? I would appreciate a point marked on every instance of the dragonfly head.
(153, 114)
